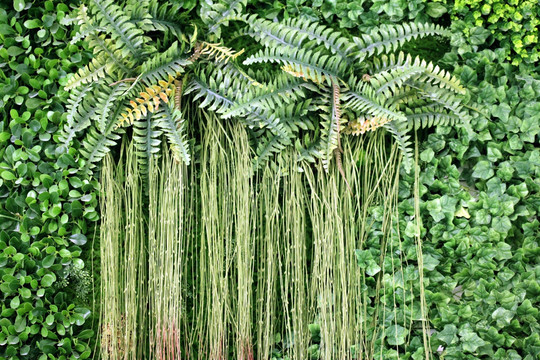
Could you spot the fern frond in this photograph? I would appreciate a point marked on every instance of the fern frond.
(398, 129)
(431, 73)
(171, 121)
(268, 146)
(218, 89)
(97, 69)
(246, 78)
(170, 63)
(294, 32)
(95, 146)
(146, 138)
(441, 96)
(87, 31)
(128, 37)
(362, 97)
(267, 119)
(364, 124)
(107, 100)
(312, 65)
(406, 96)
(388, 82)
(220, 12)
(79, 113)
(148, 102)
(283, 90)
(309, 147)
(164, 17)
(295, 115)
(299, 72)
(423, 117)
(331, 118)
(436, 76)
(105, 48)
(388, 38)
(219, 52)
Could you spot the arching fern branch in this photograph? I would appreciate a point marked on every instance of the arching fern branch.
(216, 14)
(423, 117)
(79, 113)
(268, 145)
(314, 66)
(398, 129)
(170, 120)
(284, 90)
(107, 100)
(330, 123)
(362, 98)
(295, 33)
(97, 69)
(388, 38)
(147, 142)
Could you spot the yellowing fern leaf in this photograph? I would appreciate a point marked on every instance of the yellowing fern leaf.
(148, 101)
(297, 71)
(362, 125)
(220, 52)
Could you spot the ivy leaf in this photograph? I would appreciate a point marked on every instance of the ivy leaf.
(501, 224)
(478, 35)
(470, 340)
(501, 111)
(462, 212)
(430, 263)
(503, 316)
(396, 335)
(483, 170)
(373, 268)
(449, 334)
(436, 10)
(435, 209)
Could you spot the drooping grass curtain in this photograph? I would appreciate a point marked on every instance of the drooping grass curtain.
(218, 261)
(123, 245)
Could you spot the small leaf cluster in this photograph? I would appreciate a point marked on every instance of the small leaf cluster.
(480, 202)
(351, 14)
(45, 209)
(513, 24)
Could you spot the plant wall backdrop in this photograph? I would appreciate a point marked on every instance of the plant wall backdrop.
(269, 184)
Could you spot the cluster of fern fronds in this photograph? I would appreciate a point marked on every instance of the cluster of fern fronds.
(146, 58)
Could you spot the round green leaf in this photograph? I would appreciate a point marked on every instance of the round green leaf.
(78, 239)
(15, 302)
(48, 261)
(8, 175)
(48, 280)
(18, 5)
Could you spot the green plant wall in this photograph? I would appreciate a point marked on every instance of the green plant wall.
(478, 186)
(46, 209)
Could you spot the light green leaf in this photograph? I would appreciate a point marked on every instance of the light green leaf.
(483, 170)
(436, 10)
(396, 335)
(18, 5)
(470, 340)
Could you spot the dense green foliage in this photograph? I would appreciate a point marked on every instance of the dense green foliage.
(512, 24)
(481, 206)
(326, 78)
(45, 209)
(478, 183)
